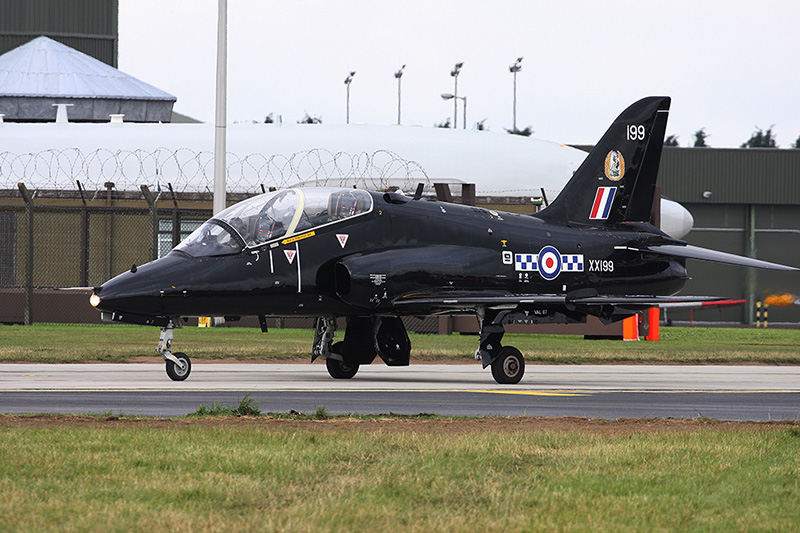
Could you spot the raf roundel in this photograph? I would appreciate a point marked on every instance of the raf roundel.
(549, 262)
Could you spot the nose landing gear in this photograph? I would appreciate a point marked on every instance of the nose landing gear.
(179, 366)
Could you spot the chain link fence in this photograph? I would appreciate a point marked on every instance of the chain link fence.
(47, 253)
(50, 257)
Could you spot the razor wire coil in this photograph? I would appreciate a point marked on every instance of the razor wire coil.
(189, 170)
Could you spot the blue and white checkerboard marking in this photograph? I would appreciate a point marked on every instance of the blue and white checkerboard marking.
(525, 262)
(530, 263)
(572, 262)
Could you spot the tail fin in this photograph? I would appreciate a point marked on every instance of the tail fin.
(617, 180)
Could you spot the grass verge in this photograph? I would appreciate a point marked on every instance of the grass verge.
(247, 407)
(419, 475)
(59, 343)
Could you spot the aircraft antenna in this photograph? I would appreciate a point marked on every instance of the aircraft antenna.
(420, 188)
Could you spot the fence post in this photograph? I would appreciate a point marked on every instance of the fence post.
(152, 202)
(176, 219)
(28, 197)
(84, 268)
(110, 231)
(84, 247)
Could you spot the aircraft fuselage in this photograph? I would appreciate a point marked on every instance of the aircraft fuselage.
(359, 265)
(375, 257)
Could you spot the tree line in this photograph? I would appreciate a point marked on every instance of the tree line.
(758, 139)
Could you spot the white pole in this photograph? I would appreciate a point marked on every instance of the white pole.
(221, 109)
(455, 100)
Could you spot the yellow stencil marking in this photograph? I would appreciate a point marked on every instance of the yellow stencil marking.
(298, 238)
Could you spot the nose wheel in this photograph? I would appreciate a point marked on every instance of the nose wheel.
(179, 366)
(179, 371)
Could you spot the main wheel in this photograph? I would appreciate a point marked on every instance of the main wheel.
(177, 373)
(509, 366)
(340, 369)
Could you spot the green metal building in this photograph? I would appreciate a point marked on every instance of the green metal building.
(744, 201)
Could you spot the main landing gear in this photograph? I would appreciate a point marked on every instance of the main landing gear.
(508, 365)
(178, 364)
(364, 339)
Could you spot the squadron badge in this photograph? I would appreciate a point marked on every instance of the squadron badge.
(615, 165)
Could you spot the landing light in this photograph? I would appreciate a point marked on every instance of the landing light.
(94, 300)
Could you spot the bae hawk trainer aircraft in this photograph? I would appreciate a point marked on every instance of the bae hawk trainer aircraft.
(374, 257)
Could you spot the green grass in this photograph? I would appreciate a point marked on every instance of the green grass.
(303, 476)
(247, 407)
(58, 343)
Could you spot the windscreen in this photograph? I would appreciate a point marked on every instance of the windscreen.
(210, 239)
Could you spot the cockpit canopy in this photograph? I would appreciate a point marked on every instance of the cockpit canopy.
(266, 217)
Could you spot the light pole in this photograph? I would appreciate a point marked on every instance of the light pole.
(448, 96)
(516, 67)
(221, 111)
(455, 72)
(347, 82)
(399, 76)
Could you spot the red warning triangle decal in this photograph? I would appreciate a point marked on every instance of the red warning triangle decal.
(342, 237)
(290, 255)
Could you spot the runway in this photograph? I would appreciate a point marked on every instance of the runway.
(592, 391)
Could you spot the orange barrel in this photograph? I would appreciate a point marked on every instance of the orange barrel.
(653, 317)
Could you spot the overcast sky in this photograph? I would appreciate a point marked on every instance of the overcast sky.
(729, 66)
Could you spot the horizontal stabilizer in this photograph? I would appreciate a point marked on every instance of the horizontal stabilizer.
(695, 252)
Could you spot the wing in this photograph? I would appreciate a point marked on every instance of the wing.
(443, 303)
(702, 305)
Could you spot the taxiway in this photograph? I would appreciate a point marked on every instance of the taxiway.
(593, 391)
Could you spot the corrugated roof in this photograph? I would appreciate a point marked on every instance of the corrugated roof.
(44, 67)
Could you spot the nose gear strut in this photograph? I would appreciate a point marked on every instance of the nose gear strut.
(178, 364)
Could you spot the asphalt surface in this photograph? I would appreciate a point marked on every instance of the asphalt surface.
(593, 391)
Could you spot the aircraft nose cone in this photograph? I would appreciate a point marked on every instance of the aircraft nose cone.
(140, 290)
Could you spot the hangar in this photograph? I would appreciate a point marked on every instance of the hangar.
(42, 74)
(744, 201)
(75, 65)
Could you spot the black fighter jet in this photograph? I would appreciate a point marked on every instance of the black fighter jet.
(373, 257)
